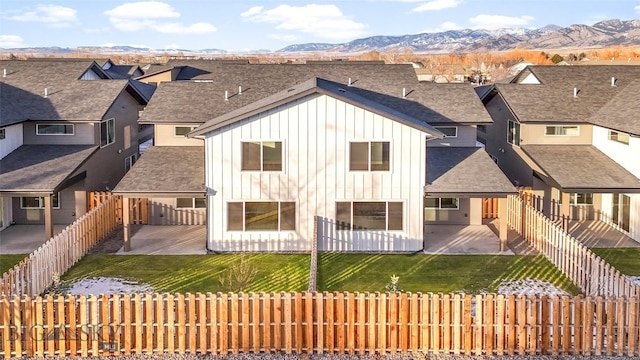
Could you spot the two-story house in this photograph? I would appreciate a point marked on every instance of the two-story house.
(572, 133)
(370, 152)
(65, 129)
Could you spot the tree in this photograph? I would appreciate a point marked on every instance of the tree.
(556, 58)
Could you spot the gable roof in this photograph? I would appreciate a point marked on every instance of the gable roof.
(621, 113)
(581, 168)
(314, 86)
(460, 171)
(41, 168)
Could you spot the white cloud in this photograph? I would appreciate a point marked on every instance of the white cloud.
(52, 15)
(445, 26)
(11, 41)
(484, 21)
(322, 21)
(96, 30)
(435, 5)
(282, 37)
(146, 15)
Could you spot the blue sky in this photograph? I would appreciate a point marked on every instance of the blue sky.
(252, 25)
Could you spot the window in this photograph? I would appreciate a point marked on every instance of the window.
(441, 203)
(262, 155)
(581, 199)
(129, 161)
(562, 130)
(369, 156)
(448, 131)
(380, 215)
(191, 203)
(2, 134)
(37, 202)
(513, 133)
(54, 129)
(482, 128)
(107, 132)
(619, 137)
(261, 216)
(182, 130)
(494, 158)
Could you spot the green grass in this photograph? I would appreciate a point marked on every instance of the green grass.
(626, 260)
(433, 273)
(7, 261)
(337, 272)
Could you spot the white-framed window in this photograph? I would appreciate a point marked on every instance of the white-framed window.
(191, 203)
(619, 137)
(370, 215)
(442, 203)
(262, 156)
(107, 132)
(54, 129)
(513, 132)
(448, 131)
(370, 156)
(562, 130)
(3, 134)
(581, 199)
(261, 216)
(37, 202)
(129, 161)
(182, 131)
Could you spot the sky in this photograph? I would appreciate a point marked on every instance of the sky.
(244, 25)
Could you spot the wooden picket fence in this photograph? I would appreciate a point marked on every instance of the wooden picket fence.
(138, 207)
(490, 208)
(587, 270)
(36, 272)
(332, 323)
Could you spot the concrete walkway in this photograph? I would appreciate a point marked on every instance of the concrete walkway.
(24, 239)
(168, 240)
(462, 239)
(597, 234)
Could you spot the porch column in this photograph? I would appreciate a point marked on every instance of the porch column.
(565, 199)
(502, 217)
(126, 218)
(48, 221)
(81, 203)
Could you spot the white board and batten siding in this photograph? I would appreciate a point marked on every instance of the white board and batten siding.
(13, 139)
(627, 156)
(316, 131)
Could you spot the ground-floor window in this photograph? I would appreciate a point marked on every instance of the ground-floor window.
(442, 203)
(261, 216)
(37, 202)
(581, 199)
(369, 215)
(191, 203)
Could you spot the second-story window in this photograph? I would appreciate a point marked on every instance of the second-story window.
(513, 133)
(369, 156)
(107, 132)
(182, 130)
(448, 131)
(562, 130)
(2, 134)
(262, 155)
(54, 129)
(619, 137)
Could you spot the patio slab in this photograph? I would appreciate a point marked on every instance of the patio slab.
(24, 239)
(598, 234)
(168, 240)
(462, 239)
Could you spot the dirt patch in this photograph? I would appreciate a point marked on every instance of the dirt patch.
(114, 241)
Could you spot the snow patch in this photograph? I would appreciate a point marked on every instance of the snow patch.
(634, 279)
(107, 285)
(529, 287)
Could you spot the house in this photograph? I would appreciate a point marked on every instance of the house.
(365, 152)
(572, 133)
(65, 129)
(443, 73)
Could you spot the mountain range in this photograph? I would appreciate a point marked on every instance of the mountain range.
(602, 34)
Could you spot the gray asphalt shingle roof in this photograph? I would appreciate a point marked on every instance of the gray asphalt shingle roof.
(41, 168)
(621, 113)
(183, 101)
(166, 169)
(464, 170)
(580, 168)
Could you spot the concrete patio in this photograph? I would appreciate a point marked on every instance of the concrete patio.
(598, 234)
(168, 240)
(24, 239)
(463, 240)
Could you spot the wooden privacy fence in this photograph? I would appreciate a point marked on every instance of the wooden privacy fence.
(490, 208)
(588, 271)
(36, 272)
(138, 207)
(318, 323)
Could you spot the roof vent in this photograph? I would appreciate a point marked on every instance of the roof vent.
(404, 93)
(4, 72)
(575, 92)
(613, 81)
(226, 95)
(342, 90)
(349, 84)
(239, 90)
(46, 92)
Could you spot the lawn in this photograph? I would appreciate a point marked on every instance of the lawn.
(626, 260)
(337, 272)
(7, 261)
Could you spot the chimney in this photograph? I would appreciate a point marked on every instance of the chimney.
(226, 95)
(575, 92)
(46, 92)
(613, 81)
(404, 93)
(239, 90)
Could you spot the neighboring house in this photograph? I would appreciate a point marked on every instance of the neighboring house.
(360, 147)
(443, 73)
(573, 134)
(64, 130)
